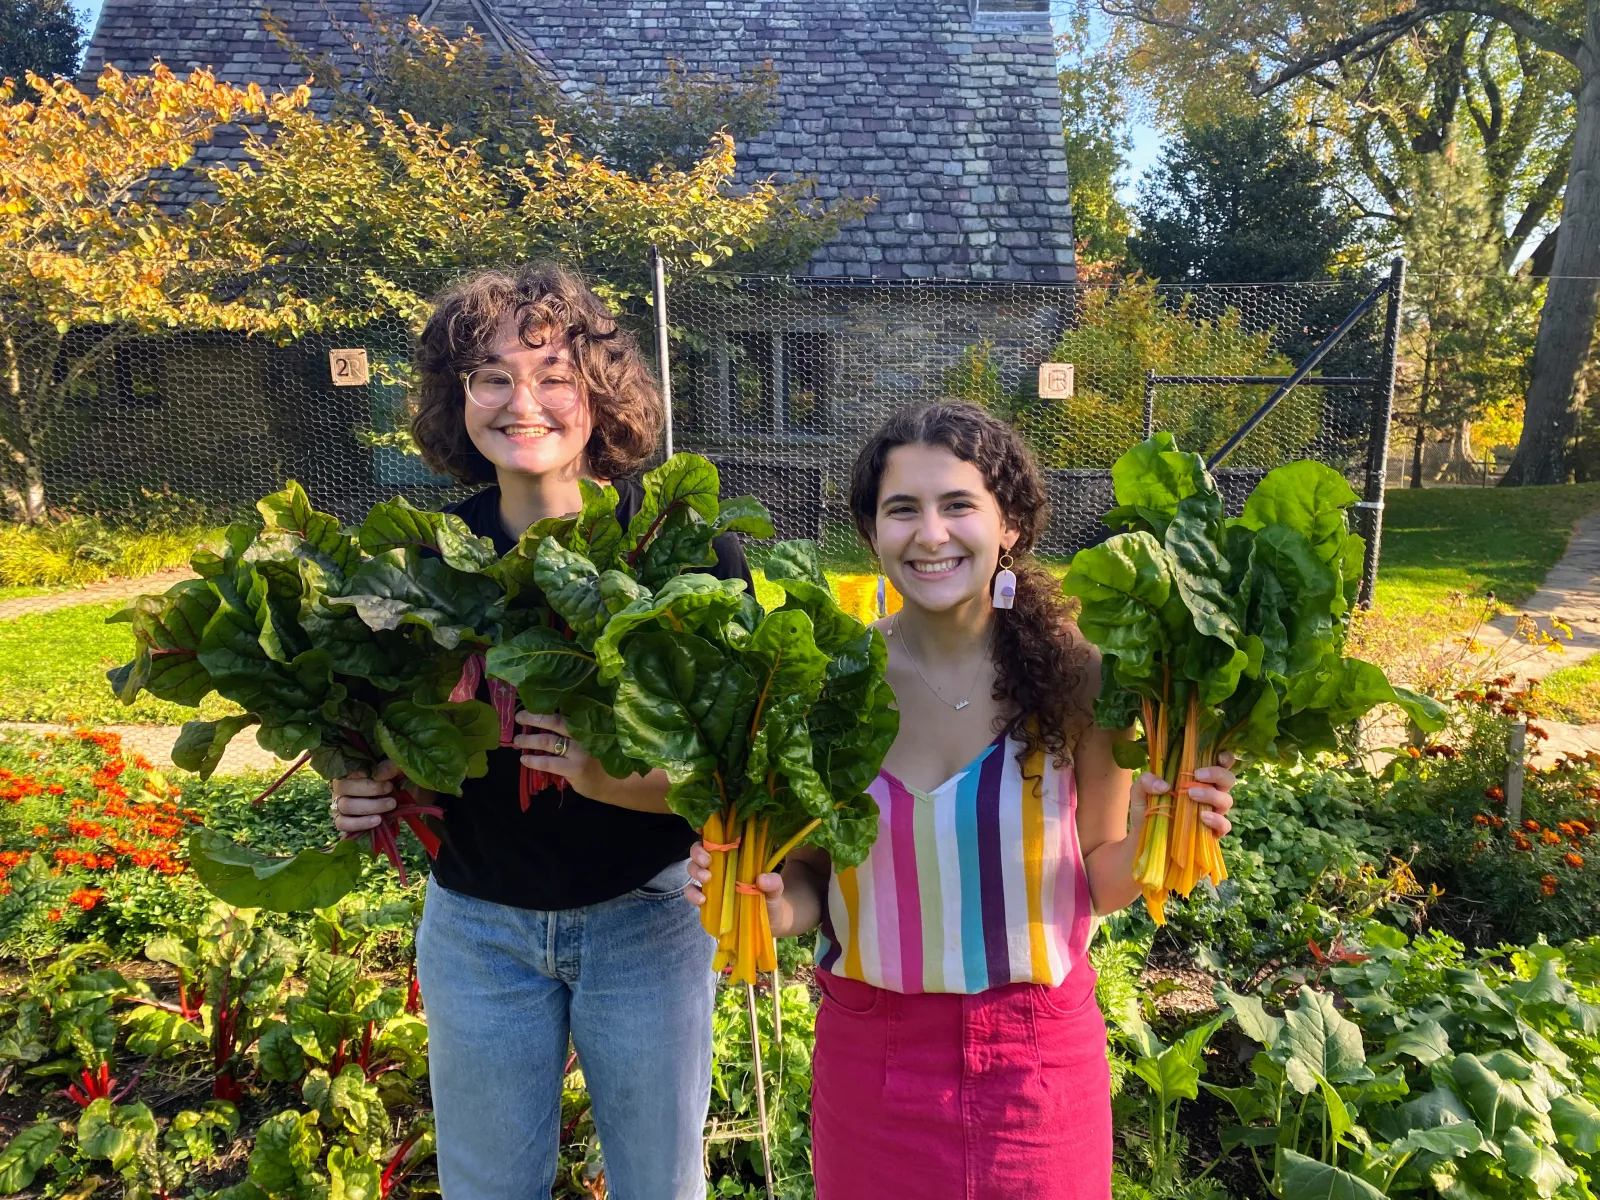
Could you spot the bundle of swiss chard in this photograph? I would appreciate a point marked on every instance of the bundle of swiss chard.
(770, 726)
(342, 646)
(1220, 634)
(568, 576)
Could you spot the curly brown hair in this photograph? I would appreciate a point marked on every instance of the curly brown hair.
(1039, 657)
(460, 335)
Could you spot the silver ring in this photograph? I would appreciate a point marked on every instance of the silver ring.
(561, 746)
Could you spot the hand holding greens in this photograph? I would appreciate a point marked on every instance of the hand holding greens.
(1220, 634)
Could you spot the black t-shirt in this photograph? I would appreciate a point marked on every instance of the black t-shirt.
(566, 851)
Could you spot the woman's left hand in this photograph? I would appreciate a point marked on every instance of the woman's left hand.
(549, 734)
(1217, 794)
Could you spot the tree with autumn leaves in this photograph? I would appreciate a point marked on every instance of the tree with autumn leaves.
(383, 208)
(89, 258)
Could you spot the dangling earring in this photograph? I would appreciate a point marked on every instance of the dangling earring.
(1005, 584)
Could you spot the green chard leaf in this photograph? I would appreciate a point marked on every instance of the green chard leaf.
(243, 878)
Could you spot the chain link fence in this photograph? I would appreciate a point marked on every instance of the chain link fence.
(148, 442)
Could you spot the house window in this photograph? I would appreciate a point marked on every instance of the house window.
(778, 383)
(1022, 15)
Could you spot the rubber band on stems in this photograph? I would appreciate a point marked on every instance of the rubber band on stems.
(748, 889)
(722, 847)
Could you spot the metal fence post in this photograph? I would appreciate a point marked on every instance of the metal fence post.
(658, 268)
(1149, 402)
(1378, 443)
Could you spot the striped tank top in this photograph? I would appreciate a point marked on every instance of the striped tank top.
(974, 885)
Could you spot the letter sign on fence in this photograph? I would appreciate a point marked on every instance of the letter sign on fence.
(1055, 381)
(349, 367)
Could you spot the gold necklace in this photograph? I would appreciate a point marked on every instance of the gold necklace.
(894, 623)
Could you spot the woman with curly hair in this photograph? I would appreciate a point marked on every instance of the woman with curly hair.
(561, 920)
(959, 1049)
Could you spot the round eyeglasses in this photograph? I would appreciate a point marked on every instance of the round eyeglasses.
(493, 387)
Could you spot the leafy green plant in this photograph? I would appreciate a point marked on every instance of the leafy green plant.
(568, 576)
(342, 647)
(1222, 634)
(769, 726)
(1479, 1090)
(238, 969)
(1171, 1075)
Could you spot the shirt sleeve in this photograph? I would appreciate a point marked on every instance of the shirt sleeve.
(731, 563)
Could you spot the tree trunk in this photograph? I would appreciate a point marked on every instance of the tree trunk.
(1566, 326)
(1422, 416)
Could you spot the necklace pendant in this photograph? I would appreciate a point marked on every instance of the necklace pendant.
(962, 705)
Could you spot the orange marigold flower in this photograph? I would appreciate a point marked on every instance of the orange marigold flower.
(1498, 822)
(41, 831)
(1496, 794)
(1550, 837)
(1480, 819)
(86, 898)
(1573, 859)
(54, 914)
(1520, 840)
(1413, 752)
(1531, 825)
(1548, 885)
(11, 858)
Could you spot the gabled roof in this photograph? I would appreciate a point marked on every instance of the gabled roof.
(951, 118)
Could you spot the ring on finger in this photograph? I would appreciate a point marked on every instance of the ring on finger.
(561, 746)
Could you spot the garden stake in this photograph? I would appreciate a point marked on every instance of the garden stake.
(761, 1090)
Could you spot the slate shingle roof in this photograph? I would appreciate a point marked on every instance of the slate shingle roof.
(953, 122)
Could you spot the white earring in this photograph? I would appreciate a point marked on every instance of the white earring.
(1005, 584)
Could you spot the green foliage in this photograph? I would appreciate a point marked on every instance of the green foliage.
(1236, 200)
(1120, 335)
(1094, 119)
(42, 36)
(1478, 1083)
(1247, 615)
(732, 1146)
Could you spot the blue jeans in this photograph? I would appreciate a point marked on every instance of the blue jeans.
(630, 980)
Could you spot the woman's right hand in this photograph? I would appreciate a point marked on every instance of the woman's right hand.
(771, 885)
(360, 799)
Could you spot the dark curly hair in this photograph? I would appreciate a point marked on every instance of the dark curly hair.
(1039, 657)
(460, 335)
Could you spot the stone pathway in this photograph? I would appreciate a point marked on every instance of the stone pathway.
(106, 592)
(155, 743)
(1571, 594)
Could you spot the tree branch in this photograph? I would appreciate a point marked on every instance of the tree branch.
(1542, 33)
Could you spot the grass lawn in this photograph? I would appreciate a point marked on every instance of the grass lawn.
(1573, 693)
(1443, 540)
(53, 665)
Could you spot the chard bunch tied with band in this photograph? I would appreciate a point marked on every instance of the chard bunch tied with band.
(569, 577)
(1222, 634)
(343, 647)
(770, 726)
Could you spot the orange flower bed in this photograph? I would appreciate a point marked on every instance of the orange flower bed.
(120, 815)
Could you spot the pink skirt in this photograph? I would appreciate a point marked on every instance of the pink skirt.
(1002, 1094)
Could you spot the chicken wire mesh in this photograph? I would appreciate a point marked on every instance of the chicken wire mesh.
(137, 447)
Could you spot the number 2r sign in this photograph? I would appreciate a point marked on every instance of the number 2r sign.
(349, 367)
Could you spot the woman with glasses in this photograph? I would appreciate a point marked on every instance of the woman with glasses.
(565, 919)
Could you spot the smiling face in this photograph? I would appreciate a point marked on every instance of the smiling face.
(546, 423)
(939, 529)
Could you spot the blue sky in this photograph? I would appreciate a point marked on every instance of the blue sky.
(1146, 138)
